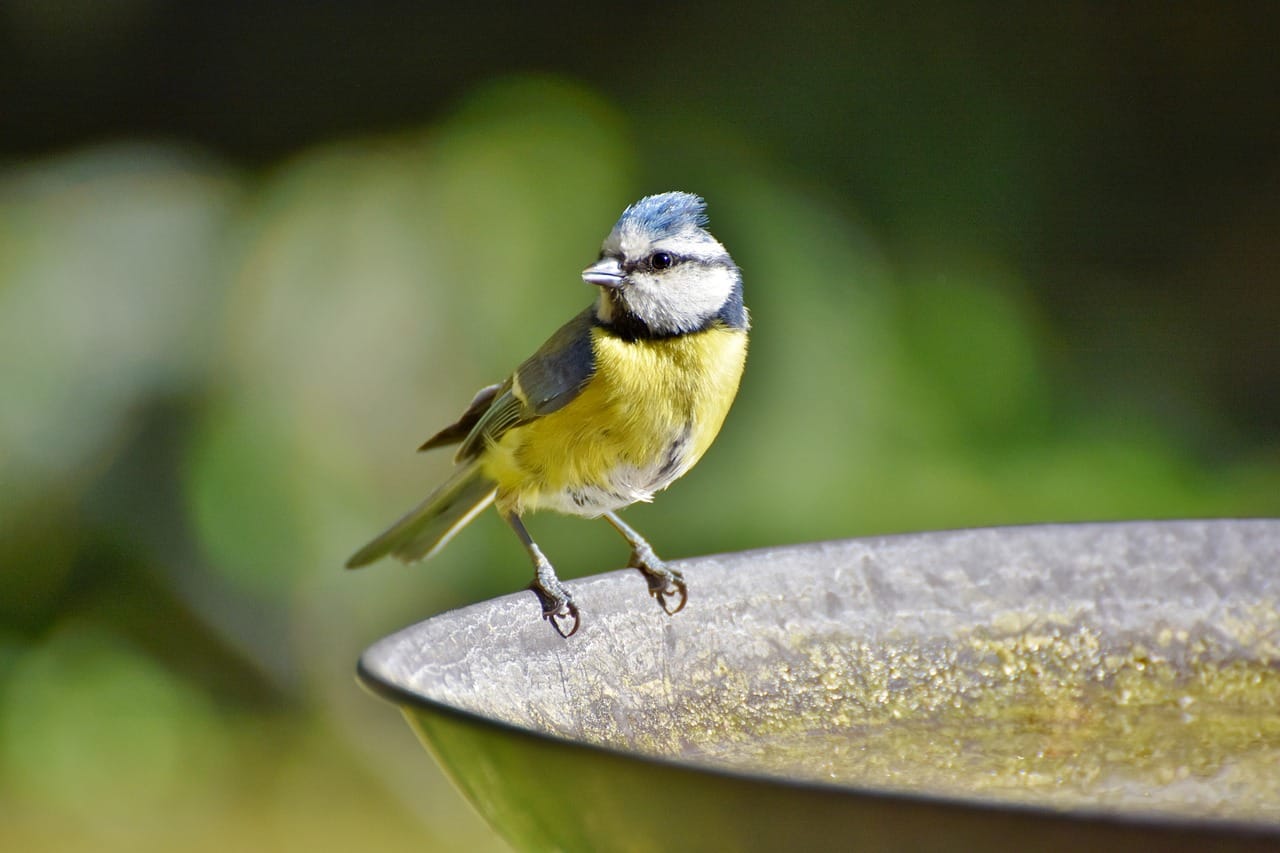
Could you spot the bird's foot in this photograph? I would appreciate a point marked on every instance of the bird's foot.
(665, 583)
(557, 604)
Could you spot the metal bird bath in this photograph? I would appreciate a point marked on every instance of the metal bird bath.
(1066, 687)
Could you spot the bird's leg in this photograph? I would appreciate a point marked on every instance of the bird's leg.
(557, 604)
(664, 581)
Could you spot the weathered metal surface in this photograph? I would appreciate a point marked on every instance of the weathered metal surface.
(1055, 687)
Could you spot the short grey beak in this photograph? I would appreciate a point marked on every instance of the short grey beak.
(606, 272)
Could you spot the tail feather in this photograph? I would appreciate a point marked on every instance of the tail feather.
(426, 528)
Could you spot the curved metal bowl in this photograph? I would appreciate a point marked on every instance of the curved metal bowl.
(1066, 687)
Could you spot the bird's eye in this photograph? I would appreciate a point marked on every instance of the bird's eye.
(661, 260)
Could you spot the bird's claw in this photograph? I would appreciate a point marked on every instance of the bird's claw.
(661, 589)
(664, 583)
(558, 609)
(568, 612)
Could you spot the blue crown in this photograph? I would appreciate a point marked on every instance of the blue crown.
(664, 215)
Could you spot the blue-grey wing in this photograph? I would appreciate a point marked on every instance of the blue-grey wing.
(461, 428)
(545, 382)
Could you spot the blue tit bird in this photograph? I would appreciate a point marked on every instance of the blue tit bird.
(617, 405)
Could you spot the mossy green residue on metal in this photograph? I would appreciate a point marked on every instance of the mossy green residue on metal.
(1046, 711)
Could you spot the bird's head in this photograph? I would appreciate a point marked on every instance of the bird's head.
(661, 273)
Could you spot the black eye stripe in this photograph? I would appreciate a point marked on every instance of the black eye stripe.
(656, 262)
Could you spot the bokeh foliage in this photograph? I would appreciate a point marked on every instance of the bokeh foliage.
(214, 368)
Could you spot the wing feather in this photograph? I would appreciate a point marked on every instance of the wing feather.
(545, 382)
(459, 429)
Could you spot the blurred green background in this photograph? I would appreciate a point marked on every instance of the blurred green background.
(1004, 267)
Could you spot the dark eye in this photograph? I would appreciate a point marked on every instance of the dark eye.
(661, 260)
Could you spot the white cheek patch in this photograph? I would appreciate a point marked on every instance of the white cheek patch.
(681, 300)
(677, 300)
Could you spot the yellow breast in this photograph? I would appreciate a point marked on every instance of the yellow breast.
(650, 411)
